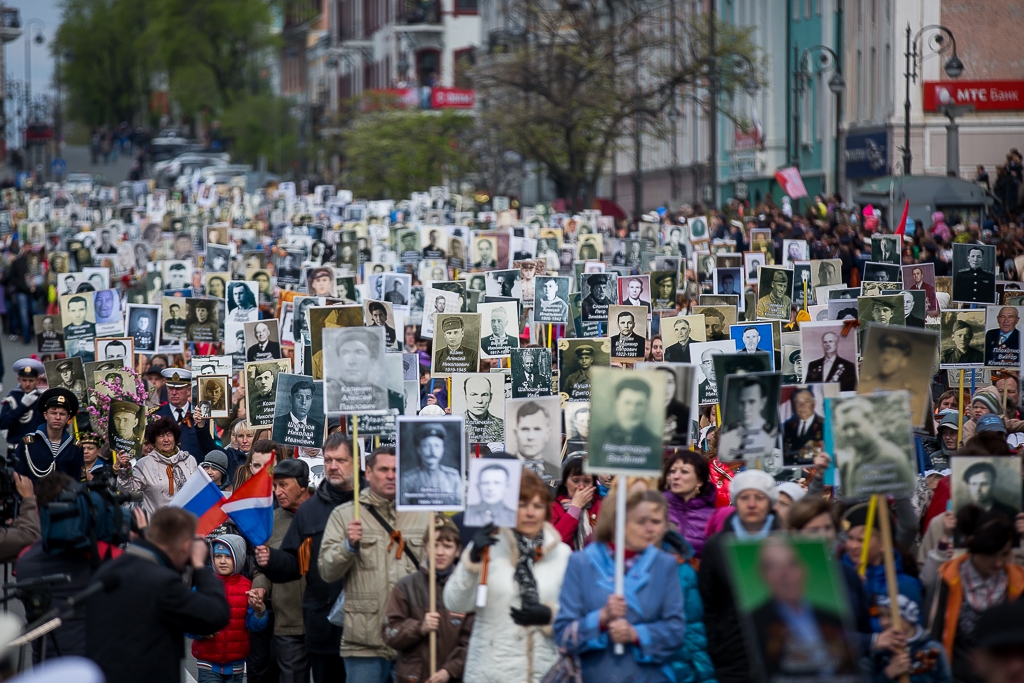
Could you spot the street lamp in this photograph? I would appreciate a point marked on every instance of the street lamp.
(39, 39)
(827, 60)
(953, 67)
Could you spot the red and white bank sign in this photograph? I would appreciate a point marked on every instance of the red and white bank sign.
(984, 95)
(452, 98)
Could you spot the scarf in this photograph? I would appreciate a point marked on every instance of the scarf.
(529, 552)
(744, 535)
(175, 475)
(979, 592)
(583, 529)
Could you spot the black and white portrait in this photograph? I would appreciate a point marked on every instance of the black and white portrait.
(505, 283)
(177, 274)
(493, 492)
(533, 434)
(750, 416)
(989, 482)
(627, 327)
(396, 289)
(456, 343)
(262, 340)
(480, 399)
(126, 428)
(299, 416)
(216, 391)
(144, 326)
(974, 273)
(577, 359)
(873, 445)
(886, 249)
(531, 372)
(261, 390)
(827, 355)
(962, 338)
(381, 314)
(353, 382)
(431, 462)
(500, 332)
(881, 272)
(598, 293)
(551, 299)
(702, 354)
(202, 321)
(626, 428)
(899, 359)
(241, 300)
(680, 397)
(109, 348)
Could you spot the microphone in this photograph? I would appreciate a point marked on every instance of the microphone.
(41, 581)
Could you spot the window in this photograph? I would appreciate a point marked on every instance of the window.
(428, 67)
(465, 6)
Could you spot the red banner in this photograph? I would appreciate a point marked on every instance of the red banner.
(452, 98)
(984, 95)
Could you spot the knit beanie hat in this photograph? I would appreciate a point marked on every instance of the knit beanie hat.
(990, 400)
(759, 480)
(217, 460)
(792, 489)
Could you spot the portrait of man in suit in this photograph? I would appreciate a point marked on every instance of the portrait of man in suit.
(379, 318)
(264, 348)
(627, 343)
(832, 367)
(917, 282)
(1002, 345)
(803, 433)
(497, 343)
(679, 351)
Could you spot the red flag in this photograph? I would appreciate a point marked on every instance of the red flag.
(903, 219)
(258, 486)
(791, 182)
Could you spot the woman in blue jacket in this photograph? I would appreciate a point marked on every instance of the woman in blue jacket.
(648, 620)
(692, 663)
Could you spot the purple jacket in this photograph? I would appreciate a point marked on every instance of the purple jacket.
(691, 516)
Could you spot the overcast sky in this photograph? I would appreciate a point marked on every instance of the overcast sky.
(14, 52)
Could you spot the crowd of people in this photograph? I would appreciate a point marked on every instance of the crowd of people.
(327, 325)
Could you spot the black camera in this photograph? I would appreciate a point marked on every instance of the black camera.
(86, 513)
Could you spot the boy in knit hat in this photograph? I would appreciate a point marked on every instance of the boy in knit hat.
(987, 401)
(216, 465)
(221, 657)
(923, 658)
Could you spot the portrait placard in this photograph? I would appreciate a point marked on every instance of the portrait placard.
(214, 390)
(680, 398)
(597, 290)
(299, 415)
(750, 416)
(353, 383)
(109, 348)
(322, 318)
(493, 495)
(202, 321)
(144, 326)
(775, 293)
(431, 460)
(533, 434)
(627, 425)
(900, 359)
(126, 428)
(961, 338)
(381, 314)
(241, 301)
(457, 349)
(827, 355)
(49, 334)
(974, 273)
(717, 320)
(79, 317)
(261, 390)
(627, 328)
(871, 439)
(991, 482)
(480, 398)
(500, 328)
(802, 415)
(1003, 325)
(576, 360)
(551, 299)
(531, 372)
(702, 354)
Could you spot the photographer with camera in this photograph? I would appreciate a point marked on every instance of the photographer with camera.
(24, 530)
(51, 448)
(19, 412)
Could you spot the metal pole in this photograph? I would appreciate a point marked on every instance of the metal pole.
(952, 148)
(797, 87)
(675, 112)
(907, 158)
(713, 117)
(839, 95)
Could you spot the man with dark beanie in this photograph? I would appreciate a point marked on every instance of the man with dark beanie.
(297, 558)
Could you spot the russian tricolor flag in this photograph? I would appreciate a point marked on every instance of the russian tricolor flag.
(198, 495)
(251, 507)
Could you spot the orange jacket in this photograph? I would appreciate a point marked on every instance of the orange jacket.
(945, 611)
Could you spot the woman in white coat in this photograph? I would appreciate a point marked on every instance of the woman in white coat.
(512, 639)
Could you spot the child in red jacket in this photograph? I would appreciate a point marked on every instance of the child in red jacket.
(221, 657)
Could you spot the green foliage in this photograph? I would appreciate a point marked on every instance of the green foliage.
(101, 59)
(390, 153)
(261, 125)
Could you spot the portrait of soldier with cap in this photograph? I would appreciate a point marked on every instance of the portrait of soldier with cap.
(869, 460)
(49, 334)
(597, 296)
(551, 297)
(353, 382)
(664, 284)
(142, 326)
(575, 360)
(985, 481)
(126, 426)
(214, 390)
(493, 484)
(424, 448)
(51, 447)
(320, 282)
(378, 315)
(899, 359)
(299, 413)
(776, 289)
(20, 411)
(459, 350)
(67, 374)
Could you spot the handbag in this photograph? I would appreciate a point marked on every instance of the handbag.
(568, 668)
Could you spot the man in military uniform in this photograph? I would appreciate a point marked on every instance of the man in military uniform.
(551, 308)
(492, 484)
(777, 302)
(19, 412)
(482, 426)
(962, 353)
(430, 481)
(66, 379)
(455, 357)
(628, 434)
(142, 334)
(195, 435)
(353, 387)
(497, 343)
(870, 459)
(595, 305)
(974, 284)
(665, 286)
(204, 329)
(752, 436)
(51, 447)
(577, 384)
(175, 327)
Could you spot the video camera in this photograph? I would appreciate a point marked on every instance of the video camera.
(86, 513)
(8, 494)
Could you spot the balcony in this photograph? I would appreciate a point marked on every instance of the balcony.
(10, 24)
(420, 12)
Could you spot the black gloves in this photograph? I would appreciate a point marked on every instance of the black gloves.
(483, 538)
(532, 615)
(675, 540)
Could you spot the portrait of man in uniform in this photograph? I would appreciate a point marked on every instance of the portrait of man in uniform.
(352, 380)
(776, 288)
(750, 416)
(458, 348)
(974, 279)
(493, 492)
(430, 463)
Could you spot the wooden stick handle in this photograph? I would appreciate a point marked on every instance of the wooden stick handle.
(433, 594)
(891, 584)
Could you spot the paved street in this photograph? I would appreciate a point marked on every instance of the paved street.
(78, 160)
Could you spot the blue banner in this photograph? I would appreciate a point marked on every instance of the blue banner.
(867, 154)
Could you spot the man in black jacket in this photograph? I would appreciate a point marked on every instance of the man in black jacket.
(150, 645)
(302, 540)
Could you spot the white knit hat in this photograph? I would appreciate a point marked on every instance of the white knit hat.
(792, 489)
(758, 480)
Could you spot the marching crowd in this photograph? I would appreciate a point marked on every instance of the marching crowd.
(348, 587)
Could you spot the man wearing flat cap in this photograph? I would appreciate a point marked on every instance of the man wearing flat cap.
(962, 352)
(195, 435)
(379, 318)
(665, 290)
(595, 305)
(430, 480)
(455, 357)
(51, 447)
(20, 413)
(66, 378)
(577, 384)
